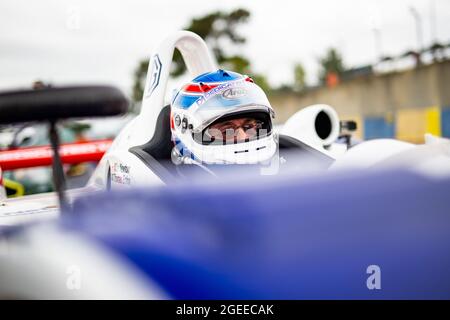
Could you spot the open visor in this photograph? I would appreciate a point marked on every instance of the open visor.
(237, 127)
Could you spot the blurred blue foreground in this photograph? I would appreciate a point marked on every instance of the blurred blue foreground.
(283, 239)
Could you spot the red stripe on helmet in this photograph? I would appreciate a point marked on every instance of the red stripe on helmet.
(199, 88)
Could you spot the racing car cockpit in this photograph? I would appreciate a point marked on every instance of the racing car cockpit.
(189, 133)
(157, 153)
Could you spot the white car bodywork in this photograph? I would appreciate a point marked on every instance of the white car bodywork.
(140, 130)
(46, 264)
(119, 168)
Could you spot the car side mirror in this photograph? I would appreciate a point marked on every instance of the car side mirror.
(59, 103)
(50, 104)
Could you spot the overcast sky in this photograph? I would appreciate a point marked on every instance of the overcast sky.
(100, 41)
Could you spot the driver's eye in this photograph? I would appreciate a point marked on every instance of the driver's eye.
(223, 129)
(226, 129)
(253, 125)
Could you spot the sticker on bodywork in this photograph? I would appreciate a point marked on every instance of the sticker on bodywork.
(120, 174)
(155, 74)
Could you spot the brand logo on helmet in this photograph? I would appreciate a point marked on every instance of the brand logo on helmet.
(234, 93)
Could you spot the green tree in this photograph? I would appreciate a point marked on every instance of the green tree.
(332, 62)
(237, 64)
(140, 74)
(217, 29)
(262, 82)
(299, 77)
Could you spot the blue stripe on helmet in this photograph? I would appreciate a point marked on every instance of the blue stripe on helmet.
(217, 76)
(185, 101)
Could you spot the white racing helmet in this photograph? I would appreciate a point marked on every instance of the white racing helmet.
(222, 117)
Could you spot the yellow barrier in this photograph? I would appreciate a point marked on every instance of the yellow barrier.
(15, 186)
(412, 124)
(433, 119)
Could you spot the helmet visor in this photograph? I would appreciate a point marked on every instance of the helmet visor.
(225, 99)
(236, 128)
